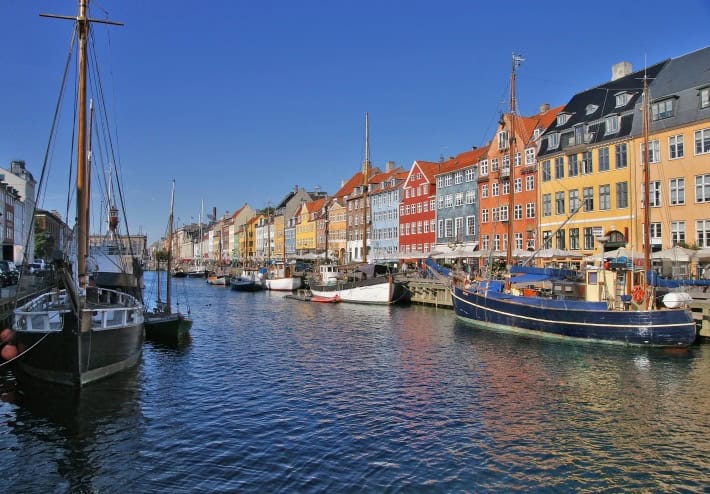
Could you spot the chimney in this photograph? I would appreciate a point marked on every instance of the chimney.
(389, 166)
(619, 70)
(545, 107)
(214, 214)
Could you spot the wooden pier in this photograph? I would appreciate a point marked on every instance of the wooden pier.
(700, 307)
(430, 292)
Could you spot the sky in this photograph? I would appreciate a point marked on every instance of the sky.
(240, 101)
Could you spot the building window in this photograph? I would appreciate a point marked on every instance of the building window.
(702, 188)
(494, 164)
(562, 119)
(677, 191)
(518, 212)
(486, 242)
(604, 197)
(662, 109)
(470, 225)
(496, 242)
(458, 178)
(622, 195)
(654, 193)
(529, 156)
(702, 233)
(518, 185)
(553, 140)
(470, 196)
(603, 157)
(484, 167)
(656, 233)
(546, 172)
(530, 210)
(458, 199)
(586, 163)
(503, 213)
(441, 202)
(702, 141)
(560, 239)
(546, 205)
(588, 238)
(574, 238)
(517, 158)
(621, 155)
(503, 139)
(530, 182)
(458, 227)
(547, 239)
(675, 147)
(506, 188)
(440, 232)
(677, 232)
(559, 167)
(470, 174)
(447, 180)
(484, 190)
(484, 216)
(611, 124)
(654, 150)
(573, 200)
(494, 189)
(622, 99)
(449, 201)
(572, 165)
(559, 203)
(588, 198)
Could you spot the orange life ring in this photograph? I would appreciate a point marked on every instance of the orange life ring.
(637, 294)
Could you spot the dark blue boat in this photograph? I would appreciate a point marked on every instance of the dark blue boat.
(487, 307)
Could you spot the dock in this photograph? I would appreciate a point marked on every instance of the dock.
(700, 307)
(427, 291)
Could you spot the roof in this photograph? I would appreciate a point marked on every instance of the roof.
(354, 181)
(463, 160)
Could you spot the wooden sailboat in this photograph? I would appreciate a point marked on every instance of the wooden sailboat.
(365, 283)
(82, 333)
(162, 324)
(280, 276)
(629, 318)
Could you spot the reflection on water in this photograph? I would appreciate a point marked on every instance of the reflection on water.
(274, 394)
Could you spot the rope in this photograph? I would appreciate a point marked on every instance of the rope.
(21, 354)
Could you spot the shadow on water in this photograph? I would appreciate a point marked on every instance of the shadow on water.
(59, 436)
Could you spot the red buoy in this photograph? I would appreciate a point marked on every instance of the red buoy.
(6, 335)
(8, 352)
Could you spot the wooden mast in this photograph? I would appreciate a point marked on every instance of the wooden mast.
(168, 276)
(646, 184)
(516, 59)
(365, 173)
(82, 192)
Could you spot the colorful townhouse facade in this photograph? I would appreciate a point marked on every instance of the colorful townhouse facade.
(417, 211)
(457, 204)
(590, 173)
(385, 193)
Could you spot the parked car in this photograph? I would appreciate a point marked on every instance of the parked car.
(10, 272)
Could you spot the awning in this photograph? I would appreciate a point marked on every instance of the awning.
(529, 278)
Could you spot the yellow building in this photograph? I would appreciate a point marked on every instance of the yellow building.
(306, 226)
(337, 228)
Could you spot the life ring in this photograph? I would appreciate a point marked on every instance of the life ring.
(637, 294)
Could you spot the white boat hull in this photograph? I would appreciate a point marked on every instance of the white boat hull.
(284, 284)
(378, 293)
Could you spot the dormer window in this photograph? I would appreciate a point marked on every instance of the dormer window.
(503, 139)
(591, 109)
(705, 97)
(662, 109)
(536, 133)
(622, 99)
(553, 140)
(562, 118)
(612, 124)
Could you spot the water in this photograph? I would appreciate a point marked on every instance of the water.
(277, 395)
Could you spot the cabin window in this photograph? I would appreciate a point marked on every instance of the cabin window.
(592, 277)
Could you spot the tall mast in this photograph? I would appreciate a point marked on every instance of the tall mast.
(365, 173)
(168, 289)
(646, 184)
(82, 192)
(516, 60)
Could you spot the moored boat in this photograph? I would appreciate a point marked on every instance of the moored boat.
(363, 284)
(251, 280)
(82, 333)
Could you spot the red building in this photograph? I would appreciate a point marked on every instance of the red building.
(417, 210)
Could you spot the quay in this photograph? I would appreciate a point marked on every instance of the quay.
(427, 291)
(700, 307)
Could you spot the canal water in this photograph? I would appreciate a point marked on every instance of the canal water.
(277, 395)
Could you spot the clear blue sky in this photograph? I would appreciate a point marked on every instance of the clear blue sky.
(241, 100)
